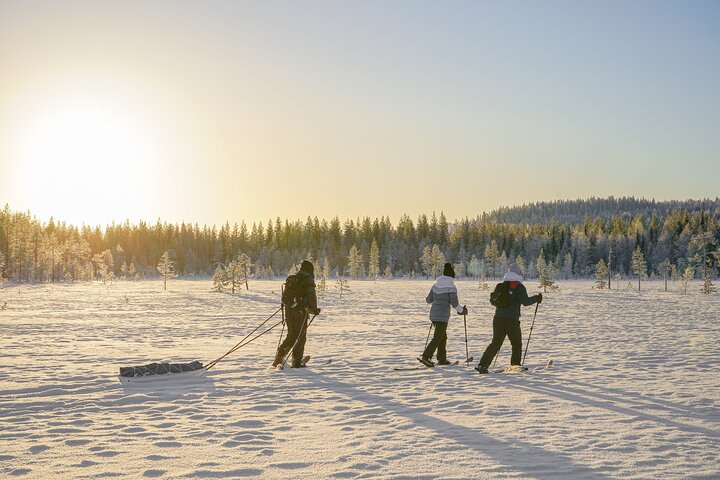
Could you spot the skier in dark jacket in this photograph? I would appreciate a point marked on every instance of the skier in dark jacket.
(506, 321)
(297, 318)
(442, 296)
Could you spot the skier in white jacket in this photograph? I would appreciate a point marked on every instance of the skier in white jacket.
(442, 296)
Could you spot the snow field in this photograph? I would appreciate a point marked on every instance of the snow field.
(633, 393)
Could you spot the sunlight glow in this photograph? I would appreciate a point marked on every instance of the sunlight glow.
(88, 156)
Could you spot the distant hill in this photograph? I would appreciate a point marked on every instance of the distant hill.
(574, 211)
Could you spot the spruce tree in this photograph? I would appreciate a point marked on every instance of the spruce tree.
(356, 267)
(546, 272)
(491, 257)
(601, 274)
(244, 266)
(374, 264)
(665, 270)
(438, 260)
(166, 267)
(639, 267)
(342, 285)
(426, 261)
(219, 279)
(387, 274)
(688, 274)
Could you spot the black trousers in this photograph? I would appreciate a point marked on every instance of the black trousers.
(503, 327)
(296, 323)
(439, 342)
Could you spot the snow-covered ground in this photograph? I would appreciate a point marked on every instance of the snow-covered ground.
(634, 391)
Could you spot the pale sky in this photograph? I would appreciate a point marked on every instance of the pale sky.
(209, 111)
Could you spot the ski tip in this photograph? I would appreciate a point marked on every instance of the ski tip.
(549, 363)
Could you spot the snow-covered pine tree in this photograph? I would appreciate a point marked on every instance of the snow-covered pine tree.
(665, 268)
(707, 287)
(325, 269)
(166, 267)
(356, 267)
(688, 274)
(244, 266)
(342, 285)
(474, 267)
(639, 266)
(503, 263)
(438, 261)
(702, 249)
(426, 262)
(520, 261)
(321, 287)
(387, 274)
(374, 264)
(546, 272)
(491, 257)
(220, 280)
(601, 274)
(482, 284)
(132, 271)
(2, 268)
(233, 275)
(567, 268)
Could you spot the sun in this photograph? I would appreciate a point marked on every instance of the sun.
(90, 158)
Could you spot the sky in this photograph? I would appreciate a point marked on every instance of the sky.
(214, 111)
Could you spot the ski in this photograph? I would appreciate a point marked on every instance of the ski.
(514, 369)
(424, 366)
(305, 361)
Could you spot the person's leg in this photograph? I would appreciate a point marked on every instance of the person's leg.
(438, 332)
(292, 323)
(515, 336)
(494, 347)
(442, 345)
(299, 349)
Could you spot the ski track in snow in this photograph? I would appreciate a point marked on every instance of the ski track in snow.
(634, 391)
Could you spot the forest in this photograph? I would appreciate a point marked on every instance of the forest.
(574, 238)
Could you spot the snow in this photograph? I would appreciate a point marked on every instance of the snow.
(633, 392)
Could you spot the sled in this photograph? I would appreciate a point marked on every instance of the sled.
(162, 372)
(147, 379)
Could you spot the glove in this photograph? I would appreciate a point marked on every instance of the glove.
(464, 311)
(315, 311)
(539, 298)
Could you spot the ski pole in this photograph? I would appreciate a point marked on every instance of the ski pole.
(302, 331)
(240, 343)
(282, 315)
(530, 334)
(467, 352)
(428, 335)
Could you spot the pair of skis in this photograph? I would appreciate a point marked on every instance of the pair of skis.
(305, 361)
(521, 368)
(424, 365)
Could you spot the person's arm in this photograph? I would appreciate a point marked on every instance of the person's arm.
(311, 296)
(456, 303)
(429, 298)
(522, 296)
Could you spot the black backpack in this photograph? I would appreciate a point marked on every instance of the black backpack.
(500, 297)
(293, 295)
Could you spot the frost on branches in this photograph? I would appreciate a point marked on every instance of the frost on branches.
(166, 267)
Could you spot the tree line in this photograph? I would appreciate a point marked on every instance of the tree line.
(670, 238)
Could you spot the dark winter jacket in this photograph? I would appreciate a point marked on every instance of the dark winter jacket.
(443, 295)
(307, 285)
(518, 296)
